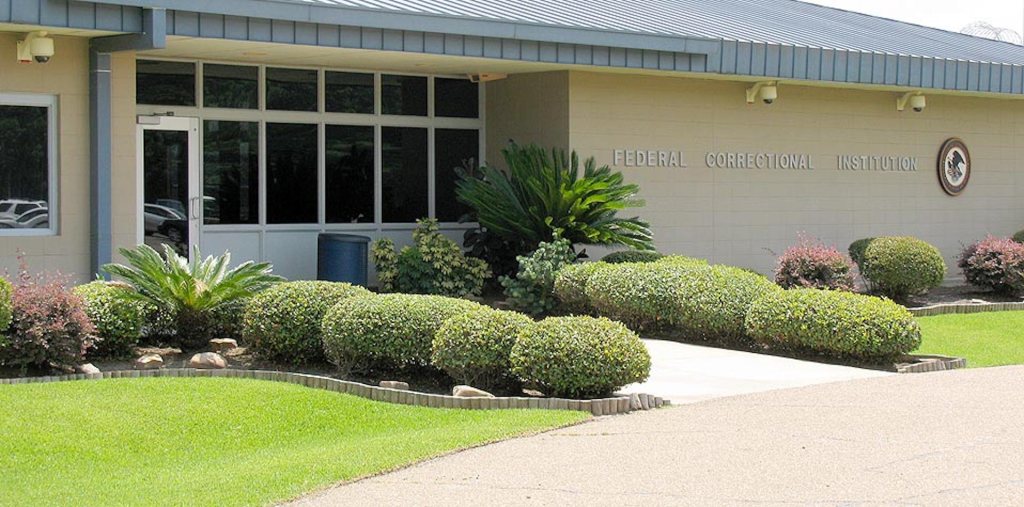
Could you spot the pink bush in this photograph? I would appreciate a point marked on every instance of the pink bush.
(994, 263)
(49, 327)
(811, 264)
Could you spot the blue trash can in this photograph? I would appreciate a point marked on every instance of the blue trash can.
(342, 258)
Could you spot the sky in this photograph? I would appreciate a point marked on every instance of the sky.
(946, 14)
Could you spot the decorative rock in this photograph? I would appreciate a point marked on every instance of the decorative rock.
(149, 362)
(470, 392)
(394, 384)
(87, 369)
(634, 402)
(165, 353)
(208, 361)
(223, 344)
(533, 393)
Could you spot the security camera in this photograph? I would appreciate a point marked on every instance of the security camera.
(915, 100)
(767, 91)
(36, 47)
(769, 94)
(918, 103)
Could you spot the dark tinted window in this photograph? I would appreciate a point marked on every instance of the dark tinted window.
(230, 172)
(24, 163)
(165, 83)
(405, 95)
(456, 98)
(291, 173)
(349, 160)
(404, 161)
(454, 151)
(231, 86)
(349, 92)
(165, 188)
(291, 89)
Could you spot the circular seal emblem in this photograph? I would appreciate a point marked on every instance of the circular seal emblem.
(954, 166)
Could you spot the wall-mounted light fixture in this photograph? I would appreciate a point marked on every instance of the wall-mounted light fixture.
(915, 100)
(766, 91)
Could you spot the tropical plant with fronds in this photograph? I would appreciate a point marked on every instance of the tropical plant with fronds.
(539, 192)
(190, 292)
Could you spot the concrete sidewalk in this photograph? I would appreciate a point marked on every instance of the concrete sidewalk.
(950, 438)
(688, 373)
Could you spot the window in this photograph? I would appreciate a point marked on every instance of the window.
(231, 86)
(291, 173)
(404, 95)
(350, 181)
(163, 83)
(456, 98)
(28, 157)
(230, 172)
(404, 173)
(349, 92)
(291, 89)
(454, 150)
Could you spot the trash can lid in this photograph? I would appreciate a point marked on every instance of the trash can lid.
(343, 238)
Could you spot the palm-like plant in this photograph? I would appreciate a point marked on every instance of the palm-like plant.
(540, 192)
(189, 291)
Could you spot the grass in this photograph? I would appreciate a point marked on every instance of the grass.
(178, 441)
(984, 339)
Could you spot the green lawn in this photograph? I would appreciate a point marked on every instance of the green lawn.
(192, 441)
(985, 339)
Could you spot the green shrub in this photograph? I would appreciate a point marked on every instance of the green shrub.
(836, 323)
(857, 250)
(474, 347)
(682, 260)
(5, 304)
(118, 319)
(903, 266)
(631, 256)
(643, 296)
(579, 356)
(712, 302)
(436, 265)
(283, 322)
(532, 289)
(1019, 237)
(389, 330)
(571, 286)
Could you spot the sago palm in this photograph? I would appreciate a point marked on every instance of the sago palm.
(189, 291)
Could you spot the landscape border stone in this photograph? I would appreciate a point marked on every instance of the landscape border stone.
(606, 406)
(931, 363)
(964, 308)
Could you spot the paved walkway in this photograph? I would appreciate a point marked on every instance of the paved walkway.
(950, 438)
(688, 373)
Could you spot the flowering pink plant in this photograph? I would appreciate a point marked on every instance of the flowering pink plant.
(994, 263)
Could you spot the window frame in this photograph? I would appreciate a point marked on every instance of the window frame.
(51, 103)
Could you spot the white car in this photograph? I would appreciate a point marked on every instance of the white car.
(36, 218)
(155, 215)
(14, 208)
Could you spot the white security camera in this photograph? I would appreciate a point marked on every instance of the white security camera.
(915, 100)
(918, 103)
(769, 94)
(36, 47)
(767, 91)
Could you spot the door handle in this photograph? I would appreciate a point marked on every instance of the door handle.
(194, 204)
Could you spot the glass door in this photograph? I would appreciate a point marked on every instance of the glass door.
(170, 203)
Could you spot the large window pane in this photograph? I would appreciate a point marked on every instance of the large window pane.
(349, 174)
(349, 92)
(231, 86)
(230, 172)
(404, 161)
(165, 83)
(454, 150)
(404, 95)
(456, 98)
(24, 167)
(165, 189)
(291, 173)
(291, 89)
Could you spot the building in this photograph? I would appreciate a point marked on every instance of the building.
(253, 125)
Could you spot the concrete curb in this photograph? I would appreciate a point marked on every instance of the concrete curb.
(931, 311)
(605, 406)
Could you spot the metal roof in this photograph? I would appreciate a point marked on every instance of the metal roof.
(788, 22)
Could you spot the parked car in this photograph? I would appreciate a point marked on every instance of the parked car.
(36, 218)
(155, 215)
(14, 208)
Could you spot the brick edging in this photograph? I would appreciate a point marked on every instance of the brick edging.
(605, 406)
(931, 311)
(928, 364)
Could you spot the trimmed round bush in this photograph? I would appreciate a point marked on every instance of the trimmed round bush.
(283, 322)
(571, 286)
(835, 323)
(682, 260)
(474, 347)
(811, 264)
(5, 304)
(996, 264)
(640, 295)
(903, 266)
(1019, 237)
(389, 330)
(118, 319)
(579, 357)
(857, 249)
(631, 256)
(49, 328)
(711, 303)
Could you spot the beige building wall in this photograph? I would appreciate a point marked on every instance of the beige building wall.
(527, 108)
(746, 217)
(67, 77)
